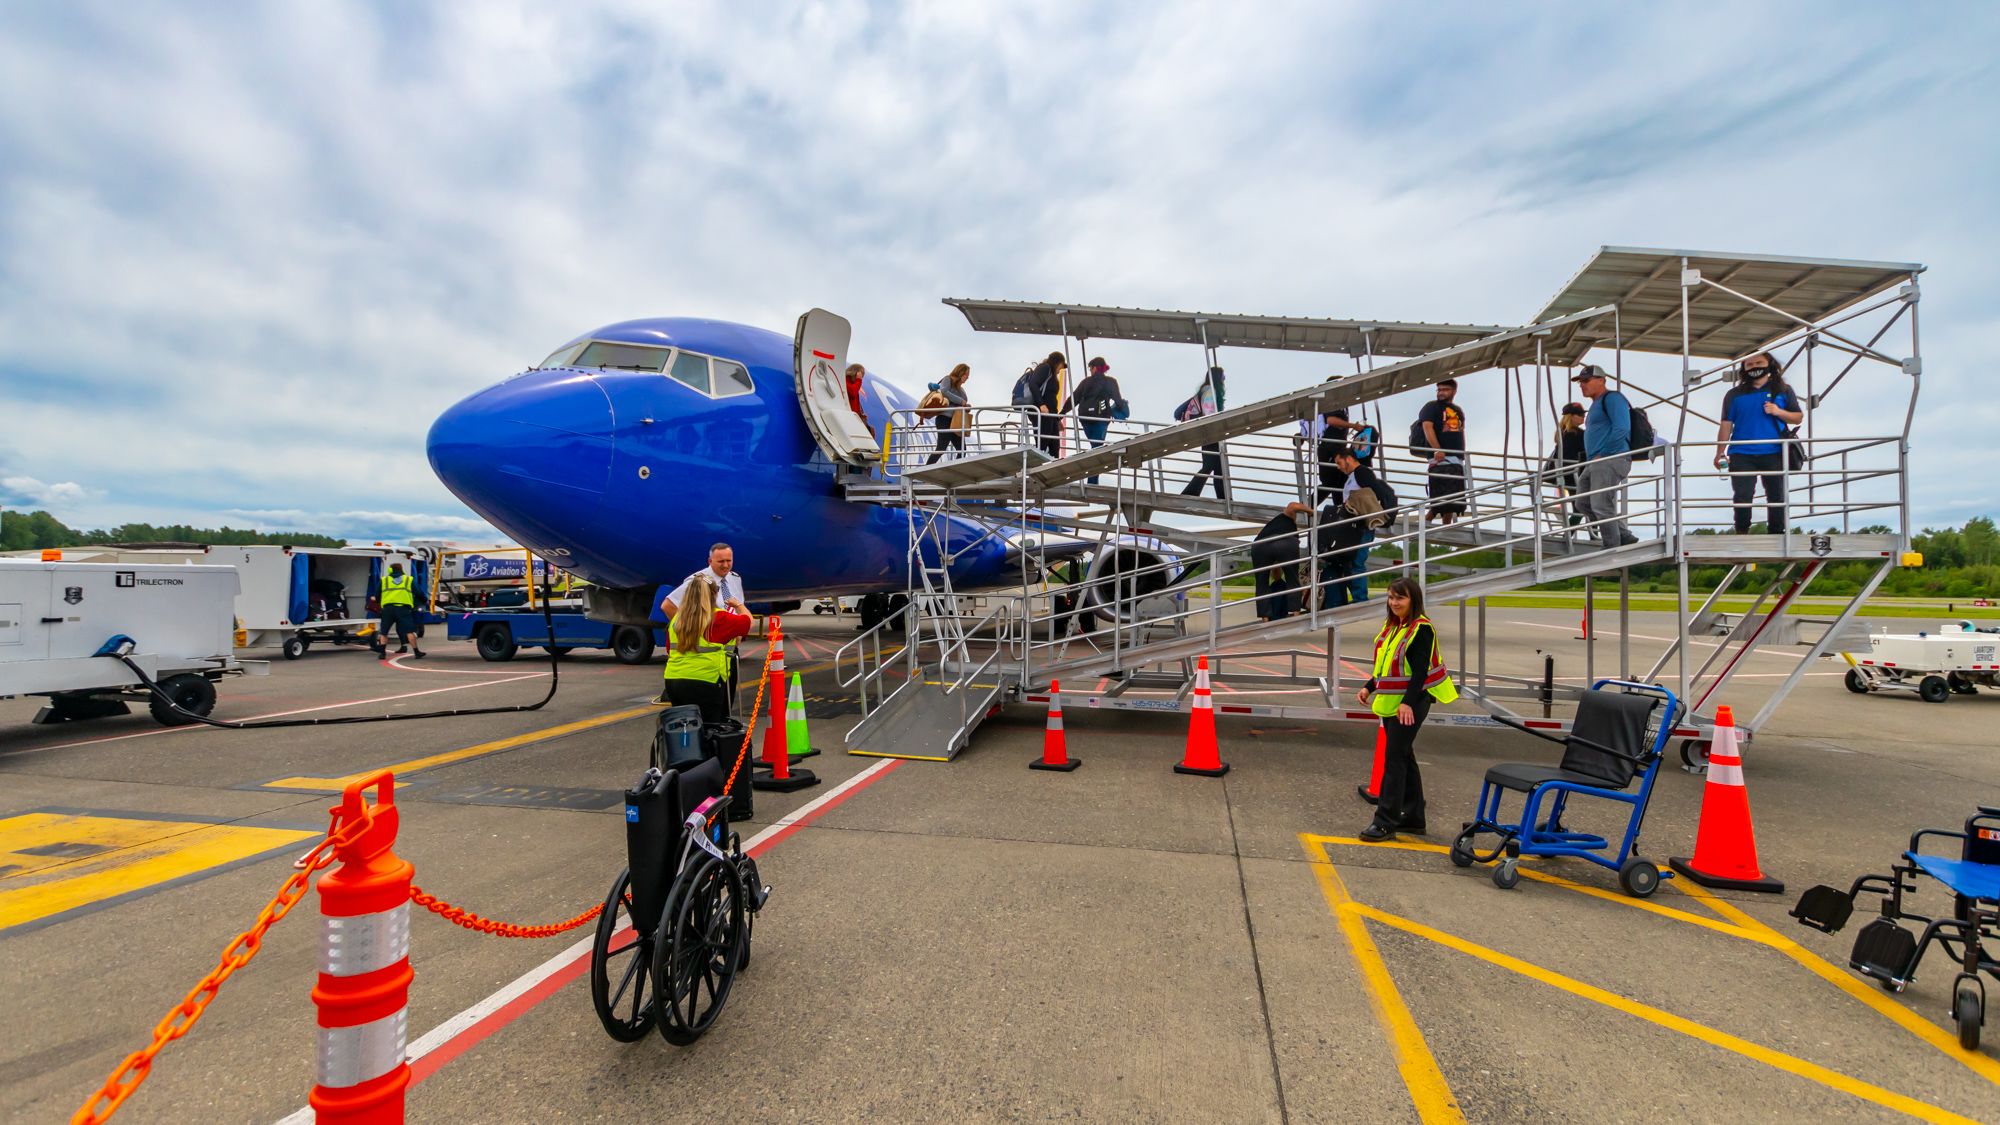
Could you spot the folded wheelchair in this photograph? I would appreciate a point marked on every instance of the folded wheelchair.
(676, 926)
(1615, 740)
(1886, 952)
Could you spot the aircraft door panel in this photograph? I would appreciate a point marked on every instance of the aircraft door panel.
(819, 365)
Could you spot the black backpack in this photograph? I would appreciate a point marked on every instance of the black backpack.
(1641, 437)
(1418, 441)
(1385, 494)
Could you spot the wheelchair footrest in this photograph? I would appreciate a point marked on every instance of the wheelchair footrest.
(1885, 951)
(1824, 908)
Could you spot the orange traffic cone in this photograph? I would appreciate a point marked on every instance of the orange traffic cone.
(1203, 756)
(782, 777)
(1725, 844)
(1372, 791)
(1055, 751)
(1583, 628)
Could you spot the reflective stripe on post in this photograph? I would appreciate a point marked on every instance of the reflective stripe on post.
(363, 992)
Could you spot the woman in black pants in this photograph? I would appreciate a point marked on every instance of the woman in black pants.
(1409, 676)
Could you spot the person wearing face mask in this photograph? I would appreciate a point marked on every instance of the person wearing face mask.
(1757, 415)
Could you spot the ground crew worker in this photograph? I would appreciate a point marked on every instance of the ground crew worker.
(398, 602)
(1409, 675)
(721, 574)
(697, 669)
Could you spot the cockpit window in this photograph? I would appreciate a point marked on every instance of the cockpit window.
(692, 370)
(563, 356)
(731, 379)
(622, 357)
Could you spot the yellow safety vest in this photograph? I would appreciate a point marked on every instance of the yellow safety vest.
(1392, 679)
(398, 591)
(708, 663)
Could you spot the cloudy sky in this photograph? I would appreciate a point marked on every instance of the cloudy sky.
(248, 252)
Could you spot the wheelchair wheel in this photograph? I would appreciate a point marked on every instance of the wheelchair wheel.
(699, 947)
(746, 868)
(1968, 1007)
(1507, 873)
(621, 978)
(1639, 877)
(1461, 850)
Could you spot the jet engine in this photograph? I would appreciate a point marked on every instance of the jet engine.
(1124, 573)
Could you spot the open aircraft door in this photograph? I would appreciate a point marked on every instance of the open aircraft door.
(819, 366)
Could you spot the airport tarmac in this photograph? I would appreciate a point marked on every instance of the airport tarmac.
(976, 940)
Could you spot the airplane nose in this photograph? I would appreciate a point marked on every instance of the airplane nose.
(532, 455)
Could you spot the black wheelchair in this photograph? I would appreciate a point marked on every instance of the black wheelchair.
(1884, 951)
(676, 926)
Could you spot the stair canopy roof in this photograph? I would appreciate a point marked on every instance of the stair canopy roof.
(1391, 339)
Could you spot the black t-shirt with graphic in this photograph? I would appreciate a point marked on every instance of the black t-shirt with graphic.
(1448, 420)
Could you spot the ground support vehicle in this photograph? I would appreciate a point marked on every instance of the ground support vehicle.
(61, 622)
(499, 635)
(297, 597)
(1958, 659)
(1888, 953)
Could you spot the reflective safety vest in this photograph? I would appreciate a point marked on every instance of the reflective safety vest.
(1392, 675)
(399, 591)
(708, 663)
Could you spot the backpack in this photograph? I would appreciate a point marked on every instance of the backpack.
(1186, 410)
(1419, 443)
(1641, 437)
(932, 404)
(1364, 435)
(1101, 402)
(1024, 388)
(1386, 495)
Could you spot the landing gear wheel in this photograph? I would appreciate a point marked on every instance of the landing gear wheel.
(1461, 850)
(700, 945)
(1507, 873)
(189, 692)
(632, 645)
(1639, 877)
(1856, 682)
(1694, 754)
(1933, 689)
(897, 603)
(1968, 1008)
(625, 1007)
(295, 646)
(495, 643)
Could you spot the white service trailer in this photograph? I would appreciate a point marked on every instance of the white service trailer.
(296, 597)
(57, 617)
(1958, 659)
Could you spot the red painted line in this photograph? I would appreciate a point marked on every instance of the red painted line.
(428, 1064)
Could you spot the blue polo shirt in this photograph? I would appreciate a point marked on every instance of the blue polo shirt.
(1751, 430)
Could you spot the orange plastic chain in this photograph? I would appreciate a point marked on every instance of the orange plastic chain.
(181, 1020)
(471, 921)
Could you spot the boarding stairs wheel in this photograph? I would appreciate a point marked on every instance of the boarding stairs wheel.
(621, 976)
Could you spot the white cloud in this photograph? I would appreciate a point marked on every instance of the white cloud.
(29, 492)
(245, 260)
(369, 525)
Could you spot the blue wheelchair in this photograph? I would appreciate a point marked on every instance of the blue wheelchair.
(1886, 952)
(1615, 740)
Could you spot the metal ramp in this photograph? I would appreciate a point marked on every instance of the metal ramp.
(1133, 491)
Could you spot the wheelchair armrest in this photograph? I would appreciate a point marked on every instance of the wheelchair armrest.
(1923, 832)
(1524, 729)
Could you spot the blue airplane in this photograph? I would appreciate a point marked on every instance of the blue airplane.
(632, 448)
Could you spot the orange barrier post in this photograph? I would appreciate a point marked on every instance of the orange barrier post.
(1372, 791)
(363, 992)
(1203, 756)
(1055, 749)
(781, 778)
(1725, 843)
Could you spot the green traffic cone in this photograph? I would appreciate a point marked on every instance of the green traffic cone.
(798, 744)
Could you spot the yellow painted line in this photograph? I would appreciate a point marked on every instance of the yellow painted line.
(52, 863)
(888, 754)
(336, 784)
(1414, 1061)
(1863, 990)
(1647, 905)
(1790, 1064)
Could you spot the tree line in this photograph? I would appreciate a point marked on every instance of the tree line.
(27, 531)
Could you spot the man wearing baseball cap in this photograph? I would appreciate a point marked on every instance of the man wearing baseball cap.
(1607, 446)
